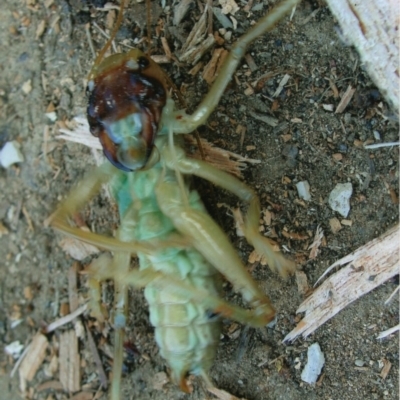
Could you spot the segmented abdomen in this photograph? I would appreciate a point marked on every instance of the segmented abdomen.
(186, 333)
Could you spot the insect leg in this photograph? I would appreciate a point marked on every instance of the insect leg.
(139, 279)
(209, 239)
(81, 195)
(276, 261)
(188, 123)
(102, 269)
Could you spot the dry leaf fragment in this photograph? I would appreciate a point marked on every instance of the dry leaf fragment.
(76, 249)
(302, 282)
(386, 368)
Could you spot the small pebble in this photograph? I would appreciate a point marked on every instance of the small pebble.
(10, 154)
(14, 349)
(315, 362)
(377, 135)
(303, 189)
(359, 363)
(339, 199)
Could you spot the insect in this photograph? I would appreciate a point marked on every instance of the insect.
(181, 250)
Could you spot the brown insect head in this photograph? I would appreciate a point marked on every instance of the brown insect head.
(127, 94)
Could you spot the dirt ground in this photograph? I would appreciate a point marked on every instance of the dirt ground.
(44, 60)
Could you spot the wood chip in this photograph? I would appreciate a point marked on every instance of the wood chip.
(250, 62)
(282, 84)
(50, 385)
(198, 41)
(345, 100)
(386, 368)
(70, 376)
(73, 287)
(302, 282)
(337, 156)
(271, 121)
(33, 359)
(40, 29)
(97, 359)
(166, 48)
(294, 235)
(211, 70)
(195, 70)
(369, 267)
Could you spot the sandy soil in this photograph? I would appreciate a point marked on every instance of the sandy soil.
(42, 69)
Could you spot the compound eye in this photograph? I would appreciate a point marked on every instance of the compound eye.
(143, 62)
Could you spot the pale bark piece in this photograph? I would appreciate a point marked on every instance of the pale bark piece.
(70, 376)
(372, 27)
(33, 358)
(369, 266)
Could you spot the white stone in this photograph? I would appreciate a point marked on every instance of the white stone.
(14, 349)
(303, 189)
(339, 199)
(315, 362)
(10, 154)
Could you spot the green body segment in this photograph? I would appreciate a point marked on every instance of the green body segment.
(186, 333)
